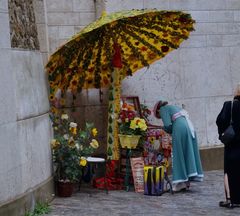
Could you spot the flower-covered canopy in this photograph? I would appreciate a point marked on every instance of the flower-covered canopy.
(143, 36)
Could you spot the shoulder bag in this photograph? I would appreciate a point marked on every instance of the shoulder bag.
(228, 135)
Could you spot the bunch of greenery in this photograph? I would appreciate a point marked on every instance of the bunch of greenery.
(70, 147)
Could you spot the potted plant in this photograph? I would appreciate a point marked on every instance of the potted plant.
(131, 127)
(70, 147)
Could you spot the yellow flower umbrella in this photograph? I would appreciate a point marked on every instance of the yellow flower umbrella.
(113, 47)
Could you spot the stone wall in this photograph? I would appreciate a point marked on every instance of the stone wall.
(203, 72)
(67, 17)
(25, 130)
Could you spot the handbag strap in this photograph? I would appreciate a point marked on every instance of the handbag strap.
(231, 111)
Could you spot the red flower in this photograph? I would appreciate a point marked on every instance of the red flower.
(165, 48)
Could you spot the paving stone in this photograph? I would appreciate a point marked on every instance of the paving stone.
(201, 199)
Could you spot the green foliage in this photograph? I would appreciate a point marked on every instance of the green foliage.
(40, 209)
(70, 147)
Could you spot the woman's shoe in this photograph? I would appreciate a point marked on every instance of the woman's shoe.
(179, 187)
(226, 204)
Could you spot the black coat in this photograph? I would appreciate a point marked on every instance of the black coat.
(224, 117)
(231, 150)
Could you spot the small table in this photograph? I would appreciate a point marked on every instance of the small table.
(93, 163)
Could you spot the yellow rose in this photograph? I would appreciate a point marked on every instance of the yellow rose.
(83, 161)
(73, 130)
(94, 143)
(54, 143)
(71, 142)
(94, 132)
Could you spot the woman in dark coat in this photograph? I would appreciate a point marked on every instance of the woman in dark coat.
(231, 151)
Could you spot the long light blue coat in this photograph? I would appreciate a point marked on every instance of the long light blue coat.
(186, 163)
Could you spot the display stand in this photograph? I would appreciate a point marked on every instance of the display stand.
(128, 169)
(93, 163)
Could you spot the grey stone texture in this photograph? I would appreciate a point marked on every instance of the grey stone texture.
(201, 199)
(25, 129)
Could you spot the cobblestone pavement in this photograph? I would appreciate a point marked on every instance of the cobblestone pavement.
(201, 199)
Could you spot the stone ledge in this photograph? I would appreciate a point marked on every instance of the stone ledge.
(212, 158)
(43, 192)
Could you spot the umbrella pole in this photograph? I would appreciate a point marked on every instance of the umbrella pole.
(113, 110)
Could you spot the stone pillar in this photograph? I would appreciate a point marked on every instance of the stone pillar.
(25, 130)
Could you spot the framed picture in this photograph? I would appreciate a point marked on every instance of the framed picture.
(134, 101)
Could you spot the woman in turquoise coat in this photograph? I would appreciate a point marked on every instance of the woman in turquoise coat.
(186, 162)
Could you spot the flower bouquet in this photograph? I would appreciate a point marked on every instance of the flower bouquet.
(131, 127)
(70, 147)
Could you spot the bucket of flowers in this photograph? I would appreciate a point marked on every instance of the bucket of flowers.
(70, 147)
(131, 127)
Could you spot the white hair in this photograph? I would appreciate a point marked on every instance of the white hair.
(237, 90)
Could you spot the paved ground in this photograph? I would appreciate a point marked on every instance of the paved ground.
(202, 199)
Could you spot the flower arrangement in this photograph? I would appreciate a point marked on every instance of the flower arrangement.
(129, 123)
(70, 147)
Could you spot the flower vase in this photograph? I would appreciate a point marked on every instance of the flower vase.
(129, 141)
(65, 189)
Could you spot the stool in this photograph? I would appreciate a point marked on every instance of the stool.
(93, 163)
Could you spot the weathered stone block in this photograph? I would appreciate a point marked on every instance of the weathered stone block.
(3, 6)
(42, 37)
(59, 5)
(5, 31)
(32, 97)
(197, 5)
(7, 91)
(38, 6)
(159, 4)
(117, 5)
(66, 32)
(195, 41)
(221, 16)
(200, 72)
(206, 28)
(83, 5)
(234, 53)
(233, 4)
(86, 18)
(63, 18)
(237, 16)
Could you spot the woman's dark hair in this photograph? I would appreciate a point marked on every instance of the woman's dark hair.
(158, 105)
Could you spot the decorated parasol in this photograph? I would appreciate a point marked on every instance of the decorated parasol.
(111, 48)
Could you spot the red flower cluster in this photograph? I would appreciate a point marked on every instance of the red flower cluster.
(127, 113)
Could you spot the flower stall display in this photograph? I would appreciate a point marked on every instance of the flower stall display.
(131, 127)
(70, 147)
(107, 50)
(157, 147)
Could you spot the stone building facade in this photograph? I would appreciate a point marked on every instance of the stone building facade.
(25, 130)
(200, 75)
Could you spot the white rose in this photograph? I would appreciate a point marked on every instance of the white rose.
(73, 125)
(66, 136)
(64, 116)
